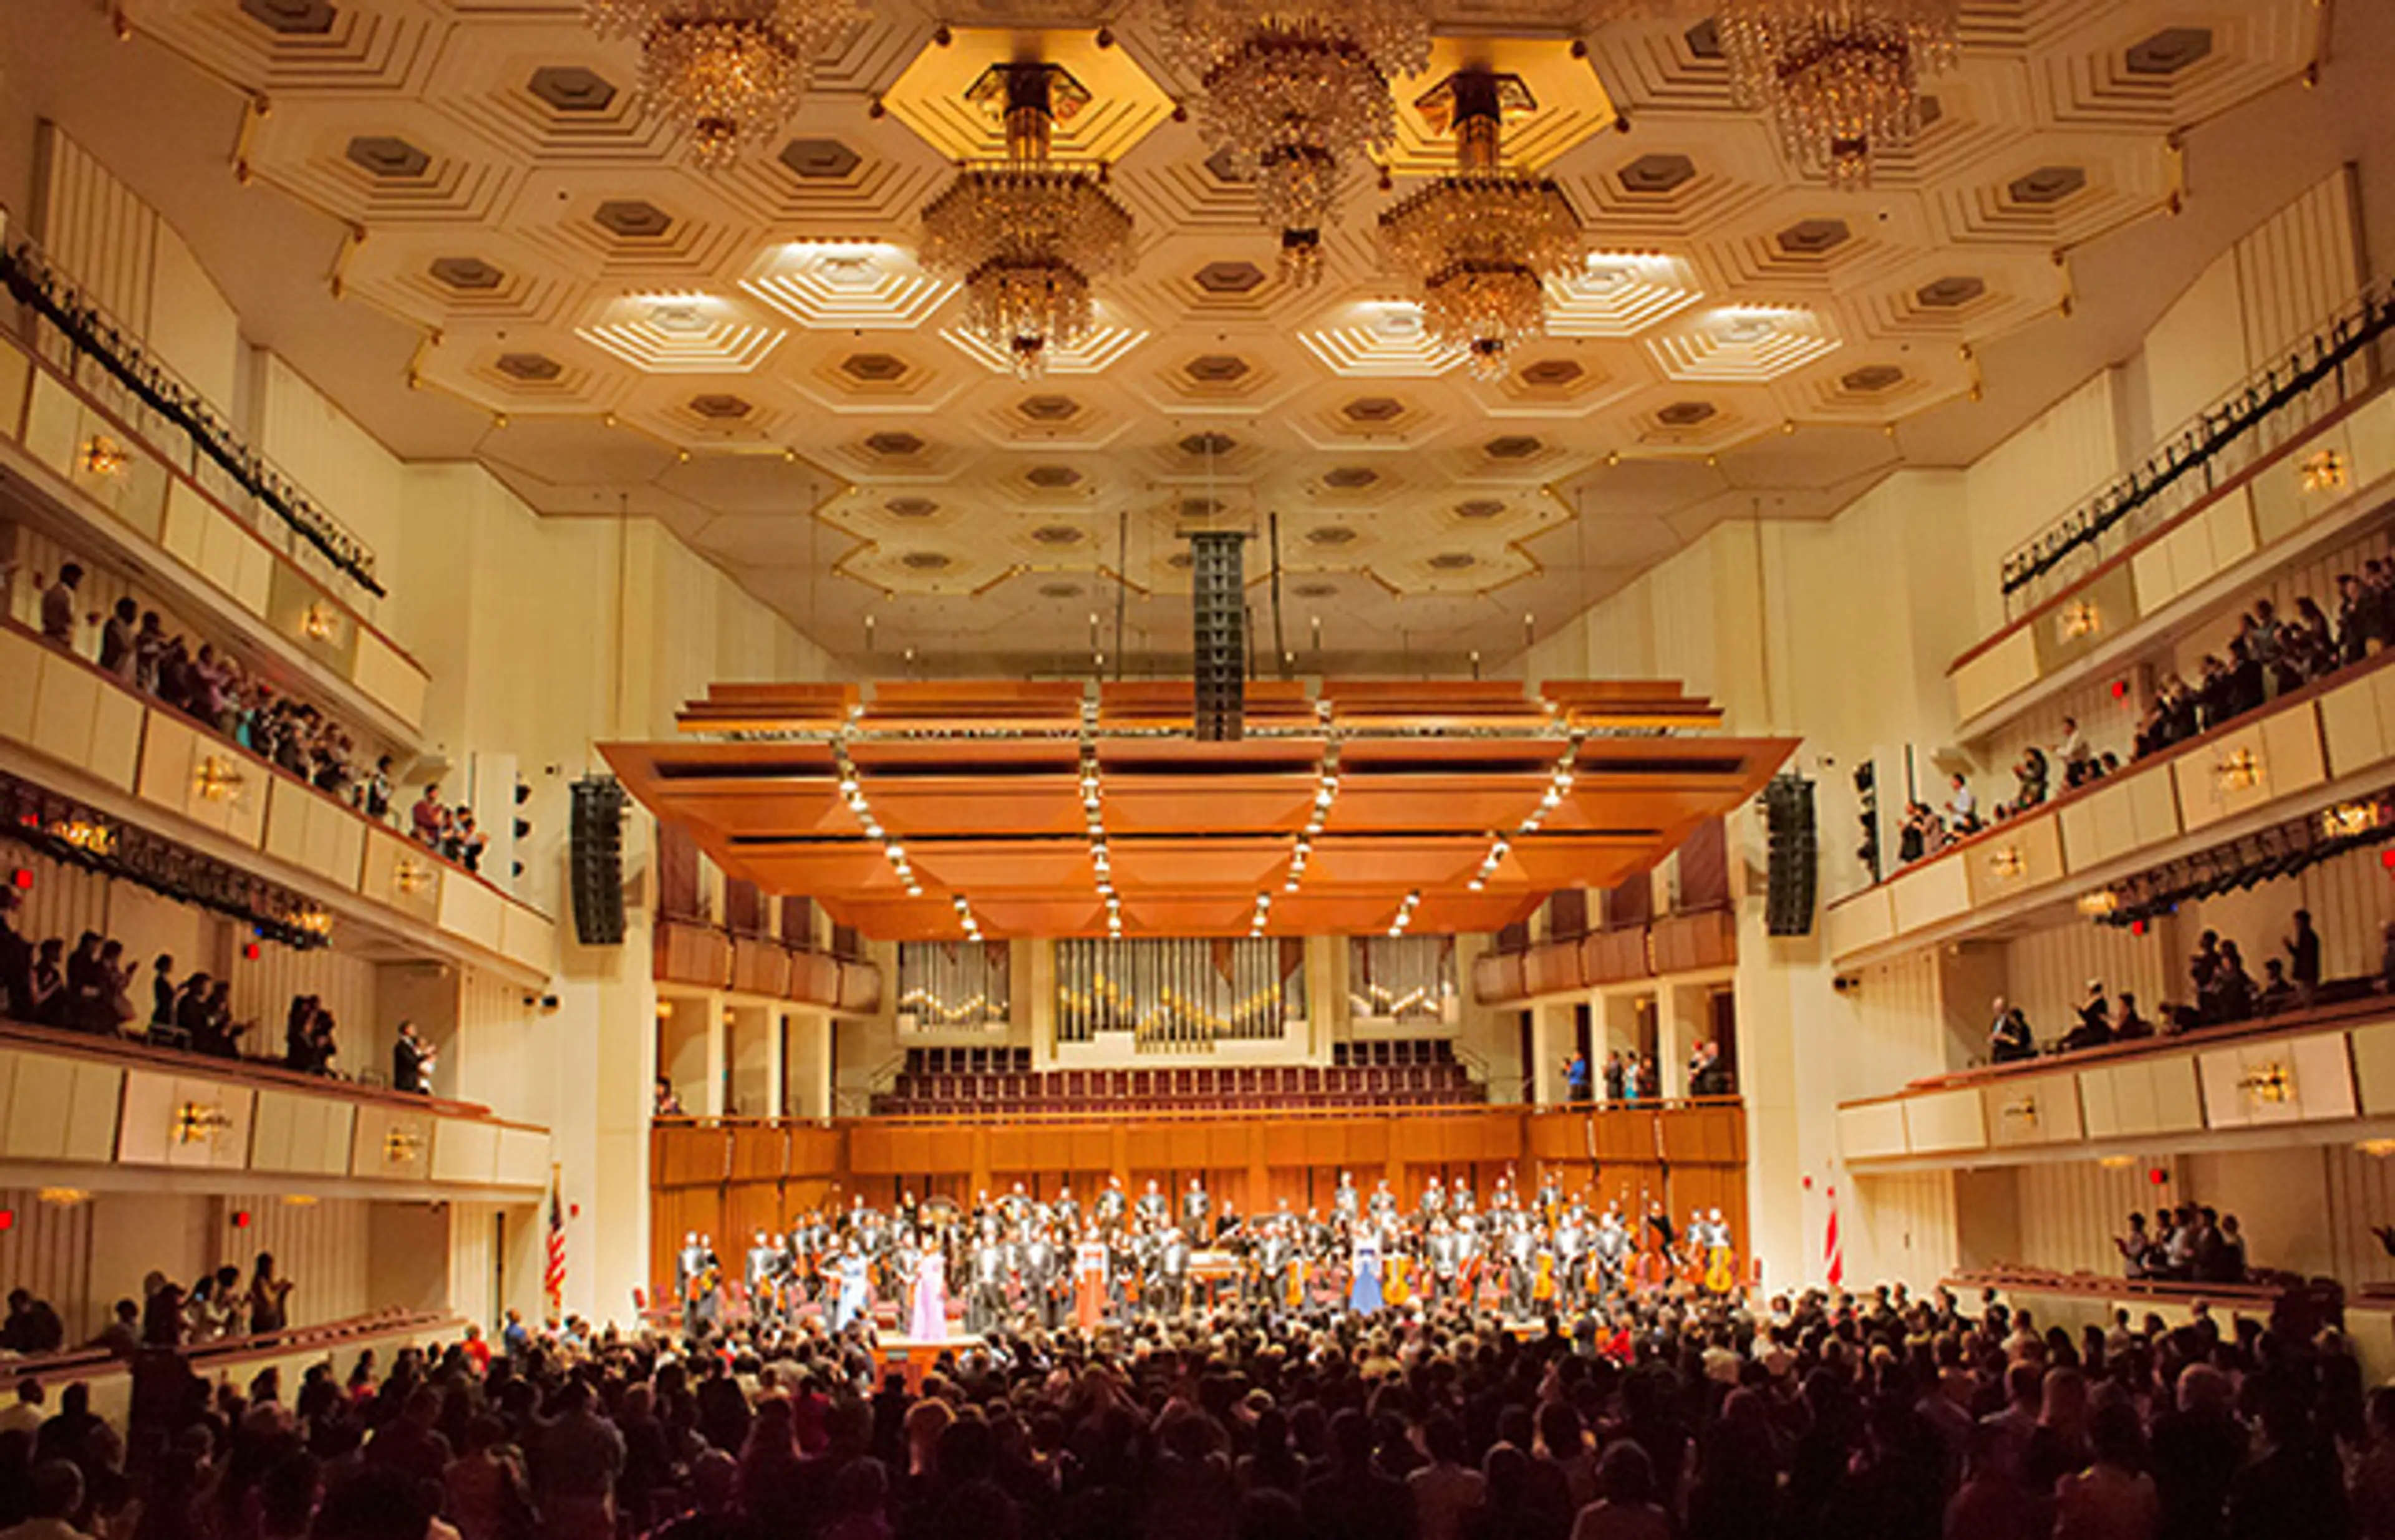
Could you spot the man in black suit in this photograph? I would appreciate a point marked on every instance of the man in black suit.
(16, 959)
(410, 1062)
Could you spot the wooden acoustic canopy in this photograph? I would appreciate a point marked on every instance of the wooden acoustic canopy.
(1051, 808)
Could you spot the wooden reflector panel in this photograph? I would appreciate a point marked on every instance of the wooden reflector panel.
(1240, 805)
(980, 781)
(943, 804)
(977, 867)
(1243, 868)
(1392, 864)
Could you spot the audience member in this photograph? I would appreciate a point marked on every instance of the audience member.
(410, 1062)
(58, 605)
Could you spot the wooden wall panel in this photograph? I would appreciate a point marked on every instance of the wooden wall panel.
(760, 1153)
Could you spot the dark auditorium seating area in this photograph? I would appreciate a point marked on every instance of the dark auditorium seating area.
(949, 1082)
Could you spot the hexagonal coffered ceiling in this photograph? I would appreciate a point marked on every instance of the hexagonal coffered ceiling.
(732, 352)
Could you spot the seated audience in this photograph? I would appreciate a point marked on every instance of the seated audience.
(2010, 1039)
(2094, 1029)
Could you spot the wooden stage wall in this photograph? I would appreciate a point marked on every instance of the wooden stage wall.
(728, 1177)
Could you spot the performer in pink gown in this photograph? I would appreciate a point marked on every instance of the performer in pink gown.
(931, 1315)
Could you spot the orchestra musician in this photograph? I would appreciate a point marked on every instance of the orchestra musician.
(1022, 1264)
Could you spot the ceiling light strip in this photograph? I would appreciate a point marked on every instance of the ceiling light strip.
(1326, 791)
(851, 790)
(1559, 785)
(1094, 815)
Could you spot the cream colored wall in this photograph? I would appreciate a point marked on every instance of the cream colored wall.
(339, 463)
(2066, 453)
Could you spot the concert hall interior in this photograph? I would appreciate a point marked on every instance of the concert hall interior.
(886, 682)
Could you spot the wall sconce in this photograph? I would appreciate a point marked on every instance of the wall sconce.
(2007, 863)
(2099, 903)
(63, 1197)
(315, 921)
(401, 1147)
(200, 1123)
(2349, 818)
(409, 877)
(298, 1200)
(664, 1010)
(2239, 772)
(2078, 618)
(216, 779)
(2271, 1082)
(2324, 470)
(84, 834)
(2378, 1150)
(318, 623)
(103, 455)
(2116, 1163)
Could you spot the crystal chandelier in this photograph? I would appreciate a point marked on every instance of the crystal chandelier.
(728, 72)
(1840, 78)
(1480, 244)
(1291, 93)
(1025, 237)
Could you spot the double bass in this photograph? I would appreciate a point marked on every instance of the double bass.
(1654, 1246)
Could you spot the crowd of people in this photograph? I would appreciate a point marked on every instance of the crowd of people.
(2224, 990)
(1633, 1076)
(449, 831)
(2269, 657)
(218, 1305)
(90, 990)
(214, 690)
(2191, 1243)
(1808, 1417)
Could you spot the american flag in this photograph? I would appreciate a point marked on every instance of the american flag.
(1832, 1251)
(554, 1276)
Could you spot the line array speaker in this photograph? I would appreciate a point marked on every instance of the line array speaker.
(1218, 619)
(597, 861)
(1788, 819)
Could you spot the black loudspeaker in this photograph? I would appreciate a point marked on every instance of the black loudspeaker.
(1867, 809)
(1787, 817)
(597, 861)
(1218, 613)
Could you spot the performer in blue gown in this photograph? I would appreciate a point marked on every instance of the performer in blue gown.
(1364, 1294)
(855, 1300)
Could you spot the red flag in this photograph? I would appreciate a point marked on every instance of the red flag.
(554, 1276)
(1832, 1254)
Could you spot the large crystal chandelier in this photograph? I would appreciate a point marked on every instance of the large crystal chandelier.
(1480, 244)
(1291, 93)
(729, 73)
(1840, 78)
(1025, 237)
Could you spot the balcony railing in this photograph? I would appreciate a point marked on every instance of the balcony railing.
(73, 1101)
(2268, 407)
(92, 336)
(2328, 1067)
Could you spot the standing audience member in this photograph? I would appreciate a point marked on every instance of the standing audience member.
(269, 1298)
(2304, 957)
(58, 606)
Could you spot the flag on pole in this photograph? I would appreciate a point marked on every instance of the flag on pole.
(1832, 1254)
(553, 1275)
